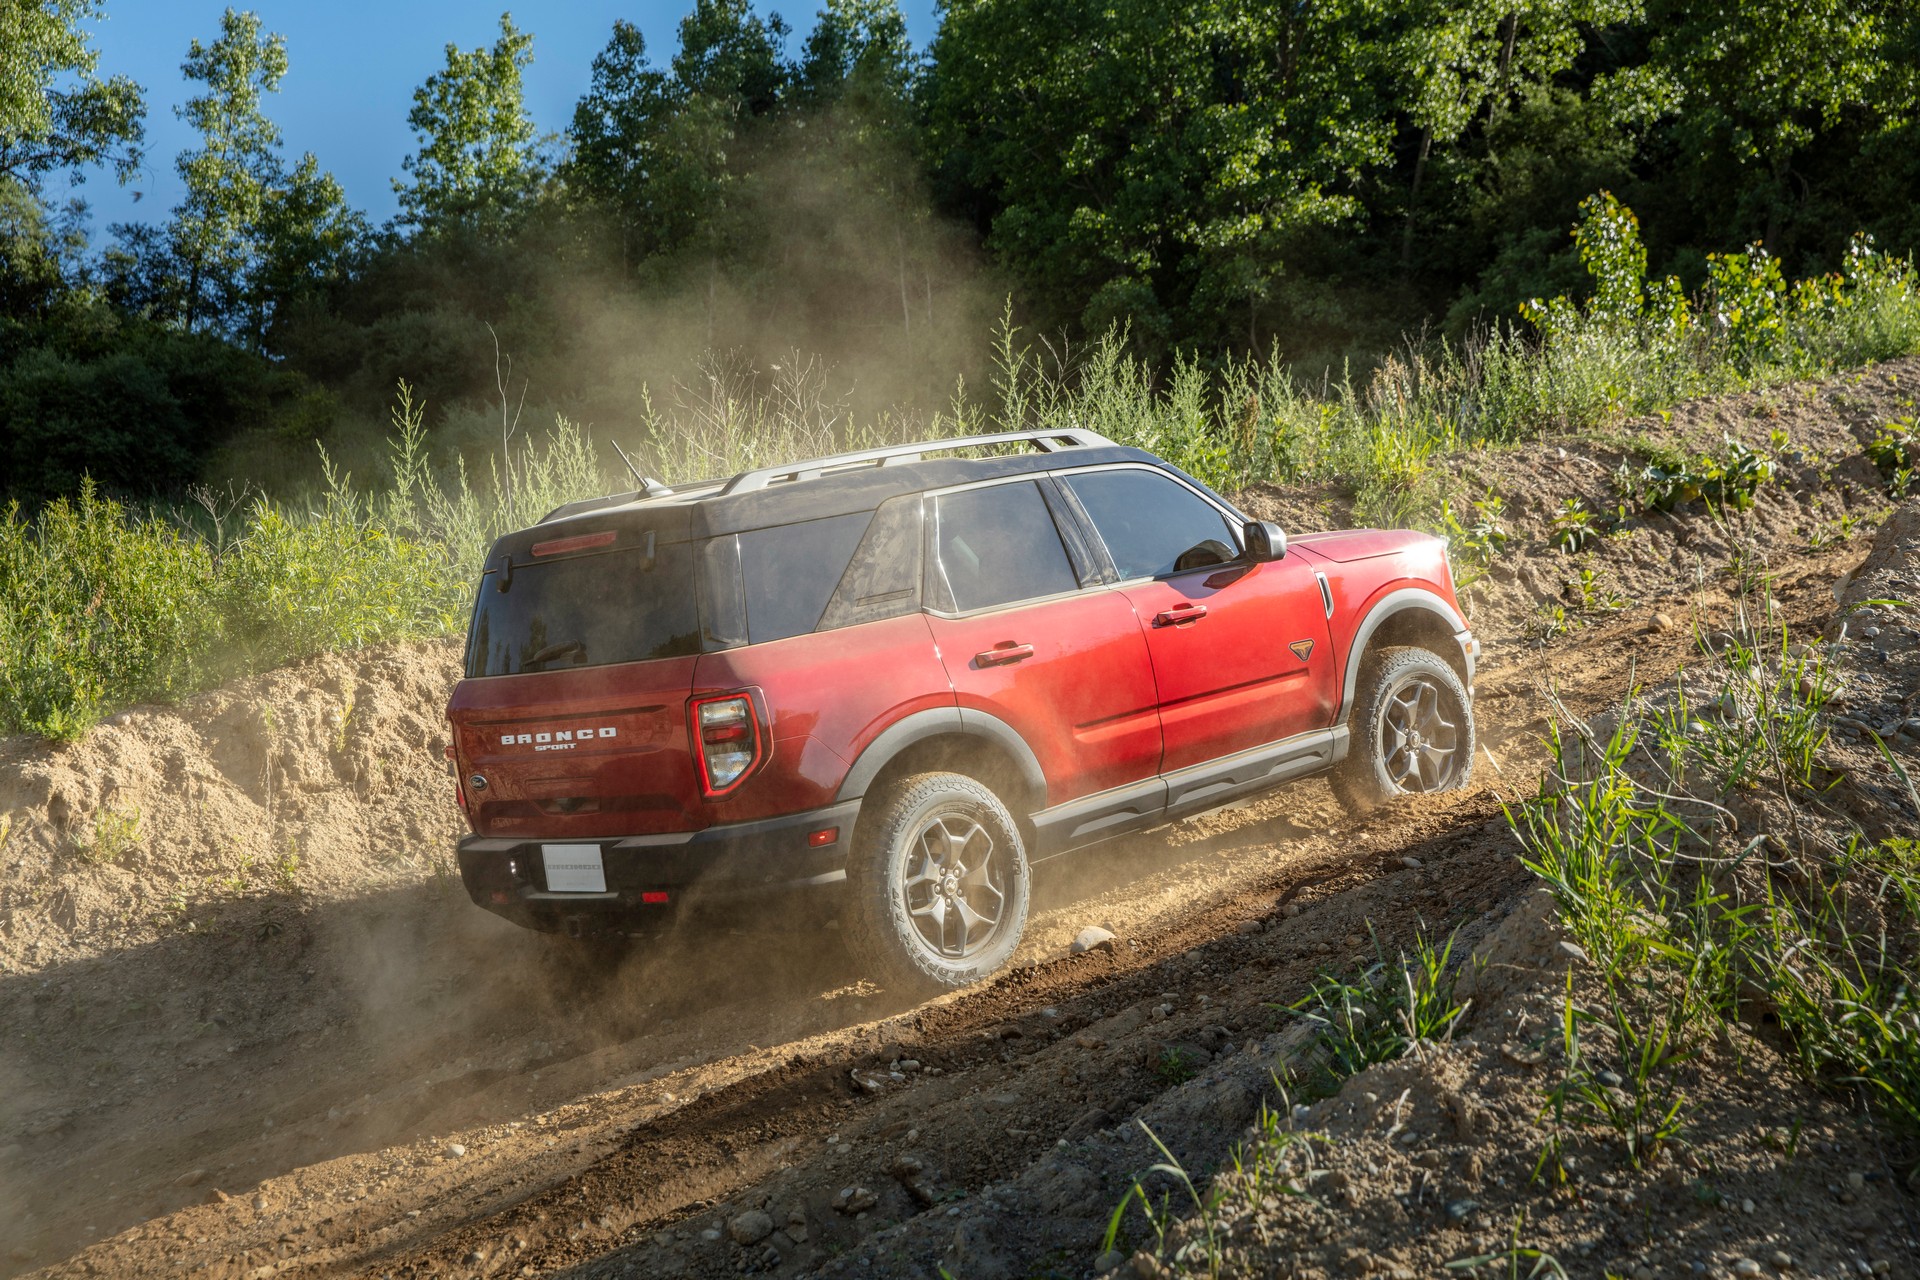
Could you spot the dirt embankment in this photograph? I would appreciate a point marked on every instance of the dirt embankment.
(253, 1026)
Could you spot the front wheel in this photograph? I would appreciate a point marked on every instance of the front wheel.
(1412, 731)
(940, 884)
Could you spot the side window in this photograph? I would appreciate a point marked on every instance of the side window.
(787, 573)
(1153, 525)
(998, 545)
(884, 579)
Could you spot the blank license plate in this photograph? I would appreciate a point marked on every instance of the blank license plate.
(573, 868)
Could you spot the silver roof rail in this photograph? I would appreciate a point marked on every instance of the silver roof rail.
(1044, 441)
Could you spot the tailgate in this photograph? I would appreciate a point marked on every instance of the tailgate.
(595, 752)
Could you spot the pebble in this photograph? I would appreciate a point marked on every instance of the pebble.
(1461, 1210)
(1856, 1180)
(1782, 1260)
(1351, 940)
(751, 1227)
(1871, 633)
(1746, 1267)
(455, 1150)
(710, 1234)
(1292, 910)
(855, 1200)
(1092, 938)
(1246, 928)
(1643, 1273)
(1747, 1206)
(1660, 622)
(1108, 1261)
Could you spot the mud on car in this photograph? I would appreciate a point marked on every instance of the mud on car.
(901, 677)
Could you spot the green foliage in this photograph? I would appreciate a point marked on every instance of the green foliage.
(1256, 1171)
(113, 834)
(1684, 935)
(1159, 182)
(1382, 1011)
(1727, 479)
(138, 406)
(476, 165)
(249, 235)
(1895, 450)
(1174, 1066)
(56, 114)
(1572, 527)
(1474, 547)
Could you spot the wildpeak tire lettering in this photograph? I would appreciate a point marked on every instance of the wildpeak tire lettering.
(557, 739)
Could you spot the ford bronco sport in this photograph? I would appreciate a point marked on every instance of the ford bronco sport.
(906, 675)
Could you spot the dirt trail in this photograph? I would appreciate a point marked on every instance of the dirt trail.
(273, 1078)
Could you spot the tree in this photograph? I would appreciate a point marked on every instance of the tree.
(217, 227)
(729, 55)
(477, 164)
(858, 50)
(1468, 61)
(248, 232)
(618, 140)
(1150, 160)
(55, 112)
(1756, 82)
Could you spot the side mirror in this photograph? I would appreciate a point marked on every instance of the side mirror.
(1265, 541)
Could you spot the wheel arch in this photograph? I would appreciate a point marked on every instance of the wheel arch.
(981, 746)
(1408, 616)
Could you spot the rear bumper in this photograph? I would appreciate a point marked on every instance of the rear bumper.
(507, 876)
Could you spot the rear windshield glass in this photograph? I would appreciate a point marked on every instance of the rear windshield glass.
(586, 611)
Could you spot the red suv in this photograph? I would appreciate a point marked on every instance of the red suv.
(909, 675)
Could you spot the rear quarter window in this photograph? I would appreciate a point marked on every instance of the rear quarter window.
(788, 573)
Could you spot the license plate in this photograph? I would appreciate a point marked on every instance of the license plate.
(573, 868)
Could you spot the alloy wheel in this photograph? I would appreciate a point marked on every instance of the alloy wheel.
(953, 888)
(1419, 744)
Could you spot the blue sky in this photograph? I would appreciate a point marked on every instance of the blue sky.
(352, 68)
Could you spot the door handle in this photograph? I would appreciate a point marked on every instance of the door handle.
(1179, 614)
(1004, 653)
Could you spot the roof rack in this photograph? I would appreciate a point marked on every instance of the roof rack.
(1044, 441)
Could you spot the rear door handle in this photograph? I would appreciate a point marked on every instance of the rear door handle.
(1003, 653)
(1178, 614)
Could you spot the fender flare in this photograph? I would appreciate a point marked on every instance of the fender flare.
(1393, 602)
(943, 722)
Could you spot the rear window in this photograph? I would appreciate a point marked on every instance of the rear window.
(586, 611)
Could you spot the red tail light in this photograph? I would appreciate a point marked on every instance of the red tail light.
(727, 739)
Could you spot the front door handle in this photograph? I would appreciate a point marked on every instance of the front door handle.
(1180, 613)
(1003, 653)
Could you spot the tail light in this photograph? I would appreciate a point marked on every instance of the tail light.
(728, 740)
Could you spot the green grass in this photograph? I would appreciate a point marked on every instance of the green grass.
(103, 605)
(1688, 930)
(1380, 1012)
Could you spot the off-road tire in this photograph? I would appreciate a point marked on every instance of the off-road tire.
(890, 861)
(1365, 780)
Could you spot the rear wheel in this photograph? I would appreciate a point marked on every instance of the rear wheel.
(1412, 730)
(940, 884)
